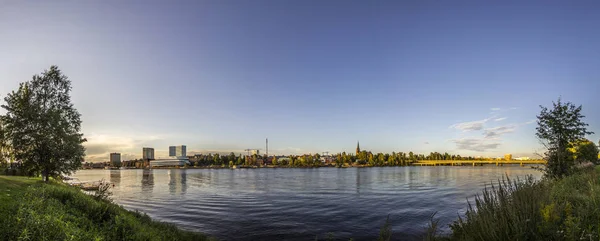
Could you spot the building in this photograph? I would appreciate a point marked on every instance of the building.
(147, 153)
(170, 162)
(177, 151)
(523, 158)
(255, 152)
(508, 157)
(357, 148)
(115, 159)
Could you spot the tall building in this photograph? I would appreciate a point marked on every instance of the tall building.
(115, 159)
(171, 150)
(357, 148)
(148, 153)
(177, 150)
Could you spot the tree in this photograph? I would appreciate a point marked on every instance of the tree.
(558, 128)
(4, 148)
(42, 126)
(274, 161)
(585, 150)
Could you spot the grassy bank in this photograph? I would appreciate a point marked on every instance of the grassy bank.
(558, 209)
(32, 210)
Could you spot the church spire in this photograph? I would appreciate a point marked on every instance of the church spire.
(357, 147)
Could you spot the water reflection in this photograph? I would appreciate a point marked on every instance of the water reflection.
(115, 177)
(177, 181)
(147, 181)
(297, 204)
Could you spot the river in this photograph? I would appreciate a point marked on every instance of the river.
(300, 204)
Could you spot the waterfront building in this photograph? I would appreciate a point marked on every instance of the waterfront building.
(170, 162)
(508, 157)
(115, 159)
(177, 151)
(147, 153)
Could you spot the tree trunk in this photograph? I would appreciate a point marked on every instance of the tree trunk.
(45, 175)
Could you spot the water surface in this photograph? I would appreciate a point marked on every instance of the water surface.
(299, 204)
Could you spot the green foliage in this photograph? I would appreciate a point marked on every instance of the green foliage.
(558, 128)
(551, 209)
(59, 212)
(585, 150)
(508, 211)
(42, 126)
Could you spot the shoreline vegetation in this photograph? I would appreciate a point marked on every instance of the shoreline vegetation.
(33, 210)
(566, 208)
(360, 159)
(533, 165)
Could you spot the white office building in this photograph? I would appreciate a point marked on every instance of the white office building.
(170, 162)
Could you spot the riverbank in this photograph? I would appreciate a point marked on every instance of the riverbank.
(32, 210)
(559, 209)
(424, 163)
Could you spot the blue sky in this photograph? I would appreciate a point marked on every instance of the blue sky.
(465, 77)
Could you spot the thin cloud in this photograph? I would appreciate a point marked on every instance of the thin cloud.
(470, 126)
(99, 146)
(500, 119)
(476, 144)
(530, 122)
(495, 109)
(426, 143)
(498, 131)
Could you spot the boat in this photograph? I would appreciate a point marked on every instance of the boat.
(71, 181)
(86, 186)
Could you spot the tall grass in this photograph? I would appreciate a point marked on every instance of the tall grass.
(59, 212)
(550, 209)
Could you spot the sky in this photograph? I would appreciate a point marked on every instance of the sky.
(464, 77)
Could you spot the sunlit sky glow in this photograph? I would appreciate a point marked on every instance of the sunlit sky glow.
(463, 77)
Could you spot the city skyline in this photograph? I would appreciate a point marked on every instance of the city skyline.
(221, 76)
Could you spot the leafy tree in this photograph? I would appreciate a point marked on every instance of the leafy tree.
(391, 160)
(274, 161)
(4, 147)
(585, 150)
(216, 159)
(558, 128)
(43, 127)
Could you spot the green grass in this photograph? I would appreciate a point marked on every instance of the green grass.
(31, 210)
(550, 209)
